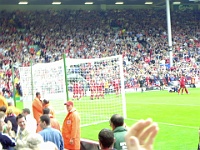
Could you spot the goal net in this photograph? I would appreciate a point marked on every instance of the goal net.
(49, 80)
(95, 85)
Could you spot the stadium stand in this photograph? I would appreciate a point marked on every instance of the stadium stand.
(96, 34)
(139, 35)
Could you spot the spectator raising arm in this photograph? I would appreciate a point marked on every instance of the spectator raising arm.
(141, 135)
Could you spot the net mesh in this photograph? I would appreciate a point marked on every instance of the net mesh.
(95, 85)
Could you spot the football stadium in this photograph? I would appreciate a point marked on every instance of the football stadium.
(100, 74)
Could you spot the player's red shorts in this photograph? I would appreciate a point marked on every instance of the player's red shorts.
(93, 90)
(182, 86)
(100, 89)
(117, 88)
(75, 92)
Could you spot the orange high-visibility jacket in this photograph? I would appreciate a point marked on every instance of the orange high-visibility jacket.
(71, 130)
(54, 124)
(37, 109)
(52, 112)
(3, 101)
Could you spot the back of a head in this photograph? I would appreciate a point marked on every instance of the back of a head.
(37, 94)
(48, 145)
(46, 119)
(45, 101)
(10, 111)
(106, 138)
(46, 111)
(3, 109)
(26, 148)
(34, 141)
(26, 110)
(10, 104)
(117, 120)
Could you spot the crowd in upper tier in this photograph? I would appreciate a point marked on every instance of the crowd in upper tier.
(140, 36)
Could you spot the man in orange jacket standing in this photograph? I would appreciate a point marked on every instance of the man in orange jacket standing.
(3, 101)
(71, 128)
(53, 121)
(37, 107)
(45, 104)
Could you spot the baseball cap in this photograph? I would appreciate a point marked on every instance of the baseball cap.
(69, 103)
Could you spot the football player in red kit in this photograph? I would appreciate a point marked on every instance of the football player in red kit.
(93, 89)
(100, 90)
(116, 85)
(76, 91)
(182, 81)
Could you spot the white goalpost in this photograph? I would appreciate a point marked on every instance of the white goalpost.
(95, 85)
(49, 80)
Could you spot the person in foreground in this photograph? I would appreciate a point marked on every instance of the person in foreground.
(23, 132)
(7, 142)
(34, 141)
(117, 125)
(53, 121)
(106, 139)
(31, 123)
(71, 128)
(50, 134)
(141, 135)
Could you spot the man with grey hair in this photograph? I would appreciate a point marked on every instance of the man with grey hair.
(48, 145)
(34, 141)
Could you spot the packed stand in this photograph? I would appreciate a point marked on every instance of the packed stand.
(139, 35)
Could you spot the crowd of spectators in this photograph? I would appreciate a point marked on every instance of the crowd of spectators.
(140, 36)
(139, 136)
(18, 130)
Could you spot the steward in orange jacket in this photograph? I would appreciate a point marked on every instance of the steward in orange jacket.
(3, 101)
(45, 104)
(37, 107)
(71, 128)
(53, 121)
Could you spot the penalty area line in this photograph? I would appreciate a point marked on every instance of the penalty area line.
(169, 124)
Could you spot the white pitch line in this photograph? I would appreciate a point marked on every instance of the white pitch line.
(166, 104)
(169, 124)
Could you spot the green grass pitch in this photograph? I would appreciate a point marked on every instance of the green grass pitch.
(176, 115)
